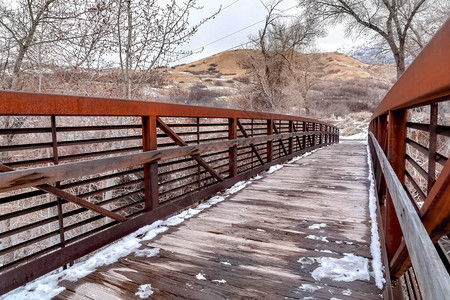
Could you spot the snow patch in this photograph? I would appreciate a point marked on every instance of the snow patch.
(144, 291)
(225, 263)
(261, 230)
(375, 246)
(317, 226)
(200, 276)
(349, 268)
(324, 251)
(306, 260)
(274, 168)
(146, 252)
(220, 281)
(319, 238)
(347, 292)
(309, 287)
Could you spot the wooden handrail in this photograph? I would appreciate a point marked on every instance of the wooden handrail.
(33, 177)
(431, 273)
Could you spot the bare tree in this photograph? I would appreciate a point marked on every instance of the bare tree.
(390, 20)
(426, 24)
(148, 34)
(19, 22)
(44, 33)
(275, 65)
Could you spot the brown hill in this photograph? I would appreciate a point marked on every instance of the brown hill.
(340, 83)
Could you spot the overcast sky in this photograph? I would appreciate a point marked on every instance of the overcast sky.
(237, 15)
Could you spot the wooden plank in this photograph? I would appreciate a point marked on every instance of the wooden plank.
(32, 177)
(71, 198)
(432, 276)
(261, 238)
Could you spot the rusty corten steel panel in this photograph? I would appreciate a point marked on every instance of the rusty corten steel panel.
(426, 79)
(22, 103)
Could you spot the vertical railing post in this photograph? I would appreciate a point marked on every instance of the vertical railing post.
(432, 147)
(396, 155)
(149, 142)
(314, 136)
(291, 139)
(251, 134)
(232, 151)
(329, 129)
(199, 173)
(381, 130)
(304, 136)
(269, 143)
(320, 134)
(58, 199)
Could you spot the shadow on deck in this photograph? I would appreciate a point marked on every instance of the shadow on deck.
(262, 242)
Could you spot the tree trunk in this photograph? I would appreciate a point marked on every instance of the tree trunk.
(128, 51)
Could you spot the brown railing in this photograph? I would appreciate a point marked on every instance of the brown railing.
(410, 146)
(78, 173)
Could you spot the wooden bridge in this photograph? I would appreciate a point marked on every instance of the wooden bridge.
(80, 173)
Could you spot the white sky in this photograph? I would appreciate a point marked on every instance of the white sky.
(240, 14)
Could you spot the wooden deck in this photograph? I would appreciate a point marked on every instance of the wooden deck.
(254, 239)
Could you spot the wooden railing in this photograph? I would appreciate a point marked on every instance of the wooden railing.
(78, 173)
(410, 145)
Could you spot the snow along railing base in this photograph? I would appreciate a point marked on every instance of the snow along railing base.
(78, 173)
(429, 266)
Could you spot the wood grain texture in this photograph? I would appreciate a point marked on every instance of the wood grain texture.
(260, 233)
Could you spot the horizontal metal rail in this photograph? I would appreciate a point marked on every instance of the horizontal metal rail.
(431, 273)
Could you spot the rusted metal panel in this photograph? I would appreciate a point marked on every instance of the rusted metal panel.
(426, 79)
